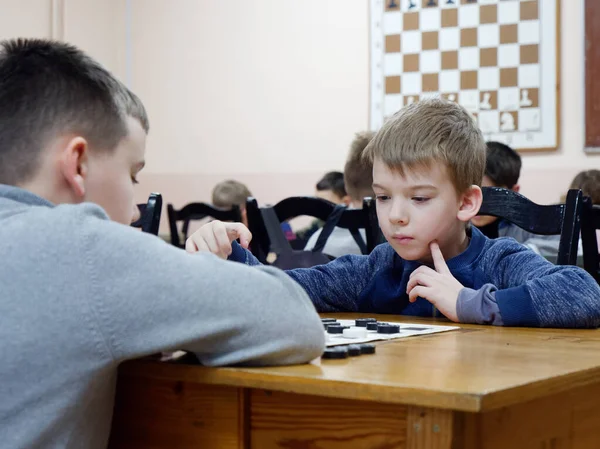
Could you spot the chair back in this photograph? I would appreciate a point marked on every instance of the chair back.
(590, 223)
(197, 211)
(150, 214)
(563, 219)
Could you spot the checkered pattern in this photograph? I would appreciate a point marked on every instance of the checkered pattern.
(485, 54)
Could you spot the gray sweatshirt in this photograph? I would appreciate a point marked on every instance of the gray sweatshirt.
(79, 294)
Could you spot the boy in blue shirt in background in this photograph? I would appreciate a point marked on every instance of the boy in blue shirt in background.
(428, 163)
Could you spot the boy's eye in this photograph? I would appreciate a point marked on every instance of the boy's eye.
(382, 197)
(420, 199)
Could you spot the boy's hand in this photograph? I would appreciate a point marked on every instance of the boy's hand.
(216, 237)
(437, 286)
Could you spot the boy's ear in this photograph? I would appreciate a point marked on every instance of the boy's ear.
(74, 165)
(347, 200)
(470, 203)
(516, 188)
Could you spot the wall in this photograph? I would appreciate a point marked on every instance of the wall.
(271, 92)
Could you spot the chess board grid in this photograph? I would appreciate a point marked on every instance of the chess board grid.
(508, 79)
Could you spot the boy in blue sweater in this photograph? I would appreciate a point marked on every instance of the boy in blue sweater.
(428, 163)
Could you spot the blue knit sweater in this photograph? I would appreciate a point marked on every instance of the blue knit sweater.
(528, 290)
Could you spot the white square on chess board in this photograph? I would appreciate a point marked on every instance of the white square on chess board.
(529, 119)
(392, 23)
(468, 58)
(508, 55)
(489, 121)
(508, 98)
(508, 12)
(469, 99)
(449, 39)
(430, 19)
(468, 16)
(392, 64)
(529, 32)
(449, 81)
(411, 42)
(406, 4)
(430, 61)
(406, 330)
(488, 78)
(488, 35)
(411, 83)
(392, 103)
(529, 75)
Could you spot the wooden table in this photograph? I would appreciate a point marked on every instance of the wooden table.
(478, 387)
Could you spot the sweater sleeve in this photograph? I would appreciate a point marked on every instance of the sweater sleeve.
(336, 286)
(148, 296)
(534, 292)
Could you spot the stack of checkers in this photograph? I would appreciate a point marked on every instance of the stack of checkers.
(362, 326)
(343, 352)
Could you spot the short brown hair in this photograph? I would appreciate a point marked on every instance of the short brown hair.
(229, 193)
(589, 183)
(48, 88)
(358, 171)
(428, 131)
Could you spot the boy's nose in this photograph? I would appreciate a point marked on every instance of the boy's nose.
(398, 214)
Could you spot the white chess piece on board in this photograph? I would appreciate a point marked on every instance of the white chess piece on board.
(410, 100)
(452, 97)
(525, 101)
(485, 104)
(507, 122)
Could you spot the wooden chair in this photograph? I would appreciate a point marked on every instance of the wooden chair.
(298, 206)
(590, 222)
(563, 219)
(197, 211)
(150, 213)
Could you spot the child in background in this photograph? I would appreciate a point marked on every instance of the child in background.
(229, 193)
(503, 169)
(331, 188)
(358, 180)
(428, 161)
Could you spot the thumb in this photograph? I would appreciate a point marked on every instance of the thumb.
(239, 231)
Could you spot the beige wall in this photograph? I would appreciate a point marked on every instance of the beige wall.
(97, 26)
(269, 92)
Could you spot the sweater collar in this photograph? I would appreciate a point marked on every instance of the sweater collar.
(23, 196)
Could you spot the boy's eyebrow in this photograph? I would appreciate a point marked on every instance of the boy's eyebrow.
(424, 186)
(377, 186)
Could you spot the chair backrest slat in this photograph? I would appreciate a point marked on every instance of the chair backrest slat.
(304, 206)
(150, 214)
(197, 211)
(558, 219)
(590, 222)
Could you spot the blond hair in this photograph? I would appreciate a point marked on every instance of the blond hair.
(589, 183)
(229, 193)
(358, 171)
(430, 131)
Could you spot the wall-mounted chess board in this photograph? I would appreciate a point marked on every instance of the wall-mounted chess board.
(497, 58)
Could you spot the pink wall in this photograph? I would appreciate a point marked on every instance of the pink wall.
(269, 92)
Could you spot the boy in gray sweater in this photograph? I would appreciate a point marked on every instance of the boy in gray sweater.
(81, 291)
